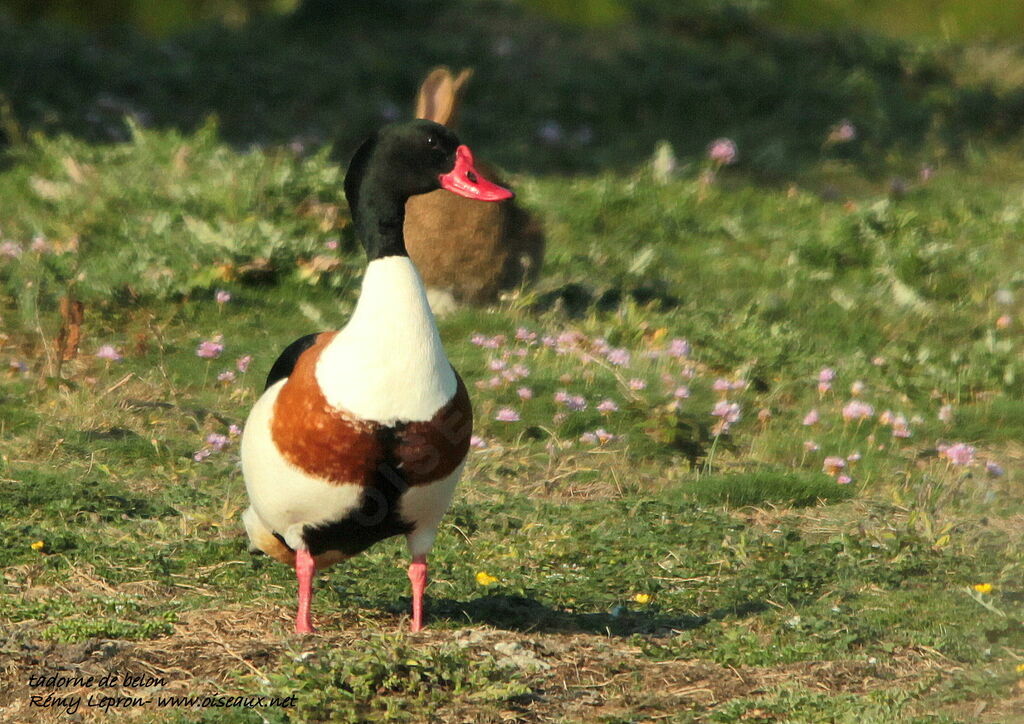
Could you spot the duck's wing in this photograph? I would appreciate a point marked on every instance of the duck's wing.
(285, 363)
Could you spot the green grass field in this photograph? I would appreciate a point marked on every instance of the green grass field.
(846, 549)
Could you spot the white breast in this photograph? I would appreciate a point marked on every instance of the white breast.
(388, 364)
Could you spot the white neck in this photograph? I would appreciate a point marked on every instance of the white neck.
(388, 364)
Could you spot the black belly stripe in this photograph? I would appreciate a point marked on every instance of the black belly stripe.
(376, 516)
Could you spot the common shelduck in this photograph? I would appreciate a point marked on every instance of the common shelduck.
(361, 433)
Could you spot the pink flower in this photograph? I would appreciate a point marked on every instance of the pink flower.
(201, 455)
(577, 402)
(844, 480)
(217, 441)
(857, 410)
(842, 132)
(525, 393)
(886, 418)
(853, 457)
(946, 414)
(824, 387)
(722, 151)
(679, 348)
(525, 335)
(507, 414)
(728, 411)
(811, 446)
(598, 437)
(573, 402)
(811, 418)
(878, 361)
(1004, 321)
(108, 352)
(681, 393)
(959, 454)
(10, 249)
(488, 342)
(234, 430)
(331, 244)
(899, 427)
(619, 357)
(569, 340)
(210, 349)
(827, 374)
(478, 442)
(40, 245)
(721, 385)
(226, 376)
(607, 406)
(222, 296)
(496, 365)
(636, 384)
(242, 363)
(833, 465)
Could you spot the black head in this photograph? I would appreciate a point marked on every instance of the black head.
(417, 157)
(403, 160)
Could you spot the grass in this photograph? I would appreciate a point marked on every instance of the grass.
(782, 488)
(645, 558)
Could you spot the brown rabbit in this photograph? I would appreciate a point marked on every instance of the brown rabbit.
(467, 251)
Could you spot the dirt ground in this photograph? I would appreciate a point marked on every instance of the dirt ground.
(574, 677)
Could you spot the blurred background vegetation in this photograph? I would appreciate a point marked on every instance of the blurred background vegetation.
(561, 85)
(963, 19)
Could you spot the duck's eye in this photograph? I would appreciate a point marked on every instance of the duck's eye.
(431, 141)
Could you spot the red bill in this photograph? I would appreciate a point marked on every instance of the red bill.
(465, 180)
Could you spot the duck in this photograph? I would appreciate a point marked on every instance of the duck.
(361, 434)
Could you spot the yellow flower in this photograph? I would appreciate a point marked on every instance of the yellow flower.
(1020, 668)
(485, 579)
(983, 587)
(38, 545)
(642, 598)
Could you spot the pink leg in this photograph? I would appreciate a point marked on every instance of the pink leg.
(304, 570)
(418, 578)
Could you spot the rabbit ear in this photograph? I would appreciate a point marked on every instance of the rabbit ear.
(438, 98)
(435, 87)
(460, 80)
